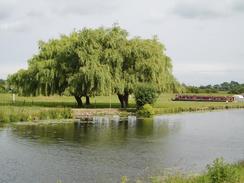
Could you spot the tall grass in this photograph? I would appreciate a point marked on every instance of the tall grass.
(16, 114)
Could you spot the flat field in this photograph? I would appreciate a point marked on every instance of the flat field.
(163, 105)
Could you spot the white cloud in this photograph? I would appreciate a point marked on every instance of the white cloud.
(196, 9)
(5, 10)
(238, 5)
(16, 26)
(207, 9)
(82, 7)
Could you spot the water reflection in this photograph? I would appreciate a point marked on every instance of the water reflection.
(102, 130)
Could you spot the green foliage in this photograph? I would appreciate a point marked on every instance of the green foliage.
(146, 111)
(237, 90)
(124, 179)
(221, 172)
(2, 89)
(232, 87)
(93, 62)
(192, 89)
(145, 94)
(180, 179)
(2, 86)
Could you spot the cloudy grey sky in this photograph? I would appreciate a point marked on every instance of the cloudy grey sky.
(204, 38)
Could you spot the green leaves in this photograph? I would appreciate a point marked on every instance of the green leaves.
(222, 172)
(145, 93)
(95, 62)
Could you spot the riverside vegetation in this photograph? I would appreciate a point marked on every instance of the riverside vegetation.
(17, 114)
(55, 107)
(217, 172)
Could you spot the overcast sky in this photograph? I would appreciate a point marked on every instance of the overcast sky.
(204, 38)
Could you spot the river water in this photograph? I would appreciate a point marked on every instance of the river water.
(107, 150)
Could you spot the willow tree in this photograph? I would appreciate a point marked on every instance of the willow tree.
(145, 61)
(71, 64)
(94, 62)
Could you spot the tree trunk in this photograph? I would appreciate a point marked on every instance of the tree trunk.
(79, 101)
(121, 99)
(126, 99)
(88, 100)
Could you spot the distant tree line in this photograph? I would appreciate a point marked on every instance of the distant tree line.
(93, 62)
(232, 87)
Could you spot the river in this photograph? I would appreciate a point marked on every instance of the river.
(105, 151)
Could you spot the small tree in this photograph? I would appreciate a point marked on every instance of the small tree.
(145, 94)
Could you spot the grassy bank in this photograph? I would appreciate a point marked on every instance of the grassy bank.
(217, 172)
(16, 114)
(41, 107)
(181, 106)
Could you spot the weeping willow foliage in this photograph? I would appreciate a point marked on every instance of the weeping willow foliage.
(93, 62)
(146, 62)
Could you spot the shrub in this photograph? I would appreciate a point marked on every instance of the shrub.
(146, 111)
(221, 172)
(145, 94)
(124, 179)
(4, 118)
(13, 117)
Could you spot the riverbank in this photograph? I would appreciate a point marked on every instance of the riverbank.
(20, 114)
(192, 107)
(217, 172)
(56, 107)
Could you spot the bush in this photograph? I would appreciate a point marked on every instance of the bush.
(221, 172)
(145, 94)
(146, 111)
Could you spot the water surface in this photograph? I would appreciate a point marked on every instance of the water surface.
(107, 150)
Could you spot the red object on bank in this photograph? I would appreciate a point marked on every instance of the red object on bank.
(203, 98)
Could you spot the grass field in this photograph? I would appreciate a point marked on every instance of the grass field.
(165, 105)
(59, 101)
(164, 101)
(34, 106)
